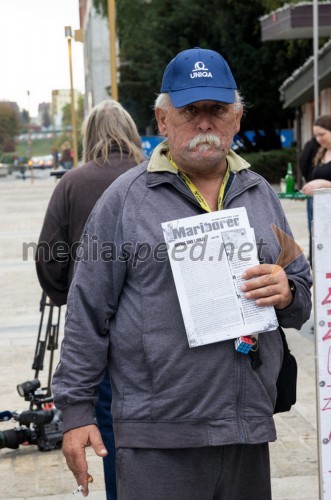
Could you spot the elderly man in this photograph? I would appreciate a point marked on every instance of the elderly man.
(190, 423)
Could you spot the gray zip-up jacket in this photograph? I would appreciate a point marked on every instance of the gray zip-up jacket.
(123, 310)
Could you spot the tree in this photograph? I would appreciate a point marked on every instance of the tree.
(9, 127)
(66, 116)
(66, 122)
(25, 118)
(229, 27)
(79, 112)
(46, 119)
(101, 7)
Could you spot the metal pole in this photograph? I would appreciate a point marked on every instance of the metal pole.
(315, 46)
(316, 113)
(30, 140)
(112, 46)
(29, 128)
(73, 114)
(298, 117)
(321, 250)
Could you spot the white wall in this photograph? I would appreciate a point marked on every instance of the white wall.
(326, 101)
(307, 122)
(96, 58)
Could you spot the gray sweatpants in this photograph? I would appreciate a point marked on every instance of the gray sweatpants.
(234, 472)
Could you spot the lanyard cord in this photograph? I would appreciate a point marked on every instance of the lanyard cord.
(196, 193)
(247, 344)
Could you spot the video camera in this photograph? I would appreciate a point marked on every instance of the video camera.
(42, 423)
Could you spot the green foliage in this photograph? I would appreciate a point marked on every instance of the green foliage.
(101, 7)
(9, 127)
(40, 147)
(25, 118)
(66, 115)
(8, 158)
(232, 28)
(46, 119)
(271, 165)
(79, 111)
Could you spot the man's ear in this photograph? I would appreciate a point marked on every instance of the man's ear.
(160, 115)
(239, 113)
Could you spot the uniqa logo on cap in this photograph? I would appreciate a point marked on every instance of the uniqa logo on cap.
(200, 70)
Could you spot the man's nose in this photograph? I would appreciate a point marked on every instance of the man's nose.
(204, 122)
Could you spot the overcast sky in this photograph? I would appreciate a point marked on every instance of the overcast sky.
(34, 50)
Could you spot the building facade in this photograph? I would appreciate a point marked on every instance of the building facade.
(295, 21)
(96, 54)
(60, 98)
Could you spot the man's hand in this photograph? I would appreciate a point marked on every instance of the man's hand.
(268, 285)
(73, 446)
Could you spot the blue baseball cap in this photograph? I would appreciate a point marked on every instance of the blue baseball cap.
(198, 75)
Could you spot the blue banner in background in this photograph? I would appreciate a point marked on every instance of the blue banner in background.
(149, 143)
(286, 136)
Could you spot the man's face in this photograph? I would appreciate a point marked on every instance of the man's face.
(199, 134)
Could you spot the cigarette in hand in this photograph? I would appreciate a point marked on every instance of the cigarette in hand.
(80, 487)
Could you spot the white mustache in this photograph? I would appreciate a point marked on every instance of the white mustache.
(203, 140)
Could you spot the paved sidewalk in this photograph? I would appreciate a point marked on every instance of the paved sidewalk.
(29, 474)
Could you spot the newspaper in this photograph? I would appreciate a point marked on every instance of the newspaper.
(208, 254)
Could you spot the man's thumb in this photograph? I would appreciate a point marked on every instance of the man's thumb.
(97, 443)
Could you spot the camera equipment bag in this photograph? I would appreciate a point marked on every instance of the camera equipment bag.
(287, 379)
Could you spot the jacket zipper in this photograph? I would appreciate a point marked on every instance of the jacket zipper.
(241, 432)
(244, 188)
(186, 194)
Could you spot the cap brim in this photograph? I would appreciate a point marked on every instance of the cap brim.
(183, 97)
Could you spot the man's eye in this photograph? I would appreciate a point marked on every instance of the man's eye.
(190, 110)
(218, 109)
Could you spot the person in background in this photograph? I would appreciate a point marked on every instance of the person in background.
(55, 155)
(111, 147)
(190, 423)
(306, 166)
(66, 156)
(319, 176)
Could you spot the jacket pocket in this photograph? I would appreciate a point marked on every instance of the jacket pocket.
(189, 383)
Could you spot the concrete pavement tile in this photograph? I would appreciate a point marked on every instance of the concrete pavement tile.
(302, 487)
(93, 495)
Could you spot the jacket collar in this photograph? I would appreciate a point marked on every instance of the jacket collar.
(161, 171)
(159, 160)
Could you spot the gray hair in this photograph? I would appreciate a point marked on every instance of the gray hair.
(108, 125)
(163, 101)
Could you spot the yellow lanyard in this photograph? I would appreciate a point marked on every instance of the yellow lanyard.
(196, 193)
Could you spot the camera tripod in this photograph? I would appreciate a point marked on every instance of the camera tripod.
(48, 339)
(42, 423)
